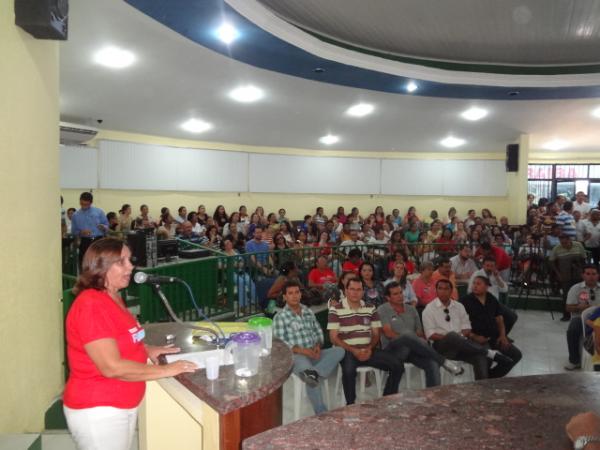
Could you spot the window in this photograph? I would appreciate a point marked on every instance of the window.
(571, 171)
(539, 172)
(551, 180)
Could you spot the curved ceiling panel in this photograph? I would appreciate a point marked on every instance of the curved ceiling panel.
(513, 32)
(199, 20)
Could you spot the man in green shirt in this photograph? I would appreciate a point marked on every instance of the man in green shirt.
(567, 260)
(297, 326)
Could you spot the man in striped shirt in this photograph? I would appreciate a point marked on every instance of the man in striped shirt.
(566, 220)
(355, 327)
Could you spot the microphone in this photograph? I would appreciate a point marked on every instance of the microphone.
(144, 278)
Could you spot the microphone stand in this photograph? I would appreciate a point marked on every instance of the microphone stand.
(219, 340)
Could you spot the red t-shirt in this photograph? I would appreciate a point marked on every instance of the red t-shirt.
(95, 315)
(321, 277)
(349, 266)
(425, 292)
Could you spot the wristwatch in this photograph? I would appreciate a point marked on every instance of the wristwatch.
(582, 441)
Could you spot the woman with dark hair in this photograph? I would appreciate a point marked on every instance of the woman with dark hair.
(244, 218)
(487, 217)
(202, 216)
(288, 271)
(254, 222)
(220, 217)
(125, 219)
(341, 215)
(379, 215)
(214, 238)
(106, 353)
(373, 289)
(324, 244)
(272, 223)
(288, 233)
(399, 276)
(411, 213)
(281, 254)
(446, 244)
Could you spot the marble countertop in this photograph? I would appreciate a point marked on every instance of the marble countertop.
(229, 392)
(508, 413)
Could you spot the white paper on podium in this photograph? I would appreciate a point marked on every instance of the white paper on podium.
(199, 358)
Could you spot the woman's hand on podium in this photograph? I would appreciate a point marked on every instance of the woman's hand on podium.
(155, 351)
(177, 367)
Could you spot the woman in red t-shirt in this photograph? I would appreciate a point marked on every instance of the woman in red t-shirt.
(106, 353)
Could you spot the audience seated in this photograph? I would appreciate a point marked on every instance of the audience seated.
(444, 272)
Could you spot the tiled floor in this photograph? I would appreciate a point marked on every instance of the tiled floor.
(541, 340)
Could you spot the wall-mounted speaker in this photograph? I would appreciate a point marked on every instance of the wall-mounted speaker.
(512, 158)
(43, 19)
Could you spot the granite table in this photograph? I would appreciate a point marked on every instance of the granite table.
(191, 412)
(509, 413)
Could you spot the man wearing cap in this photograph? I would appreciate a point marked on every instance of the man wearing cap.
(297, 326)
(580, 297)
(567, 260)
(488, 326)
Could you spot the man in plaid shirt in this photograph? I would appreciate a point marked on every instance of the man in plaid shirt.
(297, 326)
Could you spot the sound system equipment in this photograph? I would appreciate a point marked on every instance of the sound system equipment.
(512, 158)
(143, 247)
(43, 19)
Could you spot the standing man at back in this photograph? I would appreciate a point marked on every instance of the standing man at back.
(88, 223)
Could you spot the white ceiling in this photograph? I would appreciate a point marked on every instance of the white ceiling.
(507, 31)
(174, 79)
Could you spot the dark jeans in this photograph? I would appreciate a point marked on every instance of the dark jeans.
(455, 346)
(510, 317)
(380, 359)
(411, 348)
(574, 336)
(502, 369)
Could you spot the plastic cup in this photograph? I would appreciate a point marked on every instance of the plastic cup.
(212, 367)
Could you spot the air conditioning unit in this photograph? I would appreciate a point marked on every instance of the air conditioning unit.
(75, 134)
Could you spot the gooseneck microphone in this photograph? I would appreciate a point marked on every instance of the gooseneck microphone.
(144, 278)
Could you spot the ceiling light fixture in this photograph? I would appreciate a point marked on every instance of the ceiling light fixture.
(412, 86)
(114, 57)
(360, 110)
(329, 139)
(452, 142)
(474, 113)
(246, 94)
(596, 112)
(555, 144)
(227, 33)
(196, 126)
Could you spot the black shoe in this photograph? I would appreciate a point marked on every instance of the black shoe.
(503, 359)
(310, 377)
(565, 318)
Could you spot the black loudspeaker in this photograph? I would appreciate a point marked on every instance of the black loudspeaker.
(43, 19)
(512, 158)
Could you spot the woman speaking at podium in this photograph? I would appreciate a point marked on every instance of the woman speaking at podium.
(106, 353)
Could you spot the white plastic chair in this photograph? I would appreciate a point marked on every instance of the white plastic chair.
(300, 393)
(409, 374)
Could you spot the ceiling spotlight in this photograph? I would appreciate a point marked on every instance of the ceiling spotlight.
(360, 110)
(227, 33)
(474, 113)
(196, 126)
(596, 112)
(114, 57)
(555, 144)
(452, 142)
(412, 86)
(329, 139)
(246, 94)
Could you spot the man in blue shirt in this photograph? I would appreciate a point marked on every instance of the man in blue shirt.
(257, 245)
(88, 223)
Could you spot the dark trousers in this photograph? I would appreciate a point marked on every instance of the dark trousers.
(501, 369)
(380, 359)
(457, 347)
(510, 317)
(411, 348)
(574, 336)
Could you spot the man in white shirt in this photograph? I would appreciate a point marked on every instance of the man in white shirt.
(182, 215)
(591, 234)
(470, 220)
(462, 264)
(447, 324)
(581, 205)
(353, 242)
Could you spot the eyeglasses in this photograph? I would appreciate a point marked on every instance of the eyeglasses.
(447, 312)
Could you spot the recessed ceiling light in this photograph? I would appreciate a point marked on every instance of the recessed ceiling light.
(227, 33)
(596, 112)
(412, 86)
(474, 113)
(555, 144)
(360, 110)
(246, 94)
(114, 57)
(329, 139)
(452, 142)
(196, 126)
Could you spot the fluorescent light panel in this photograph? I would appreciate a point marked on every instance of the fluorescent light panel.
(114, 57)
(360, 110)
(246, 94)
(555, 144)
(452, 142)
(196, 125)
(474, 113)
(329, 139)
